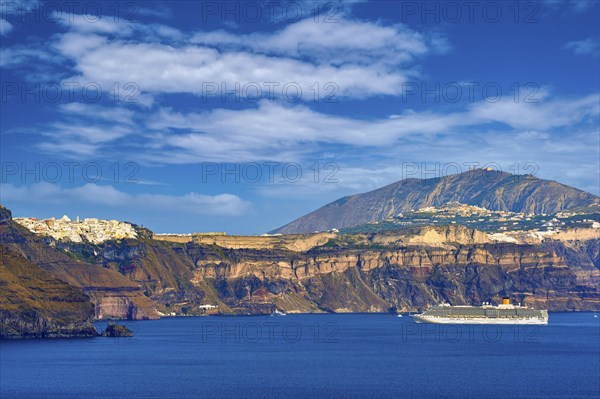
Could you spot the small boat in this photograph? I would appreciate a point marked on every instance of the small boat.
(277, 312)
(399, 315)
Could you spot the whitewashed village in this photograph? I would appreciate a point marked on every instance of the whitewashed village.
(90, 229)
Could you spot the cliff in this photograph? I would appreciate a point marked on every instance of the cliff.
(111, 294)
(35, 304)
(404, 270)
(404, 276)
(407, 270)
(489, 189)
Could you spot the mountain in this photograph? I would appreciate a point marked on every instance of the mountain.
(481, 187)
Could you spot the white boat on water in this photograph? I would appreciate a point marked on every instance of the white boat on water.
(505, 313)
(277, 312)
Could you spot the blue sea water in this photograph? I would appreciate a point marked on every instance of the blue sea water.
(312, 356)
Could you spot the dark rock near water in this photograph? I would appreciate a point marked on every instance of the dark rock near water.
(116, 330)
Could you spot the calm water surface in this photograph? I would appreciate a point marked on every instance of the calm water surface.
(321, 356)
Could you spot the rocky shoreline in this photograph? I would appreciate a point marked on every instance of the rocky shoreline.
(55, 288)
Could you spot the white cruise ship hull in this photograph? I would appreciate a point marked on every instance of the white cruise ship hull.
(477, 320)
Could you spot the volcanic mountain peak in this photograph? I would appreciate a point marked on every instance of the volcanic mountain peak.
(490, 189)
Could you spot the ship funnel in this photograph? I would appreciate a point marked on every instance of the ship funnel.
(506, 301)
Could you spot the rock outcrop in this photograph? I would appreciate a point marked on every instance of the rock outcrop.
(115, 330)
(5, 215)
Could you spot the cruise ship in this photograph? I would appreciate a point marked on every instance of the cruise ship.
(505, 313)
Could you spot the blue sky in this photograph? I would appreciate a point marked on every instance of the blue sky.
(242, 116)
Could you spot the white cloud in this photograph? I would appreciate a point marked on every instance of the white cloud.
(160, 68)
(94, 194)
(85, 128)
(589, 46)
(5, 27)
(273, 131)
(97, 112)
(331, 43)
(86, 23)
(107, 25)
(361, 59)
(159, 11)
(364, 59)
(12, 7)
(581, 6)
(555, 156)
(571, 6)
(286, 11)
(544, 114)
(17, 55)
(86, 133)
(69, 148)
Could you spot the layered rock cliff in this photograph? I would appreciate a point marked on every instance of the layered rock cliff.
(403, 270)
(404, 277)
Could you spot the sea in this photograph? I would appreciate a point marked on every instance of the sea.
(311, 356)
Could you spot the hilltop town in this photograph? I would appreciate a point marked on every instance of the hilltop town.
(92, 230)
(499, 225)
(486, 220)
